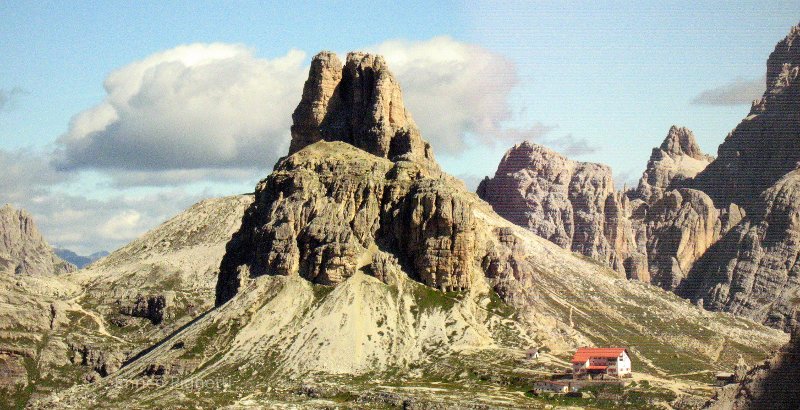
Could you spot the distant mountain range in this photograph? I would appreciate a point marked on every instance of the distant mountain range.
(79, 260)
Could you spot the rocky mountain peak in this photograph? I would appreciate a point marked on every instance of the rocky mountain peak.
(359, 103)
(23, 249)
(677, 159)
(681, 141)
(765, 145)
(570, 203)
(783, 62)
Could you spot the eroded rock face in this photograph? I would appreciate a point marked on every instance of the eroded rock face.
(23, 250)
(151, 307)
(753, 270)
(677, 159)
(570, 203)
(766, 144)
(679, 228)
(329, 211)
(360, 104)
(654, 233)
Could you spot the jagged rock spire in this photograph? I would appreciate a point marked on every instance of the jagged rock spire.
(677, 159)
(681, 141)
(359, 103)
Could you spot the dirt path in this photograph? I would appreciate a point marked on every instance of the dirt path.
(75, 306)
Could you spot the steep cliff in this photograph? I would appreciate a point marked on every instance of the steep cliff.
(572, 204)
(23, 250)
(359, 103)
(766, 144)
(753, 270)
(654, 233)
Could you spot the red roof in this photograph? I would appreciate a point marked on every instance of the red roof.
(596, 367)
(585, 353)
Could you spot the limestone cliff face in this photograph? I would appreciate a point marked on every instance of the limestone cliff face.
(654, 233)
(23, 250)
(679, 228)
(359, 103)
(754, 269)
(766, 144)
(677, 159)
(570, 203)
(326, 213)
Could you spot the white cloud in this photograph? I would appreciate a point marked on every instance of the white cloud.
(203, 106)
(737, 92)
(456, 92)
(193, 106)
(215, 113)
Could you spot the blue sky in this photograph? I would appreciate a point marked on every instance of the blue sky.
(600, 82)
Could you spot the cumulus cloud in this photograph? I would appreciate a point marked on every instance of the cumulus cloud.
(27, 173)
(217, 113)
(203, 106)
(456, 92)
(190, 107)
(737, 92)
(9, 96)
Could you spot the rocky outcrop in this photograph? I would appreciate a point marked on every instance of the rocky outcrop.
(754, 270)
(769, 385)
(326, 213)
(359, 103)
(23, 250)
(677, 159)
(572, 204)
(677, 230)
(97, 358)
(151, 307)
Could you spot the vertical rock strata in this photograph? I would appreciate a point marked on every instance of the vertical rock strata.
(654, 233)
(570, 203)
(359, 103)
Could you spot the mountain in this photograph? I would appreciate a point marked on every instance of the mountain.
(721, 232)
(653, 233)
(753, 270)
(361, 275)
(23, 250)
(572, 204)
(677, 159)
(78, 260)
(78, 327)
